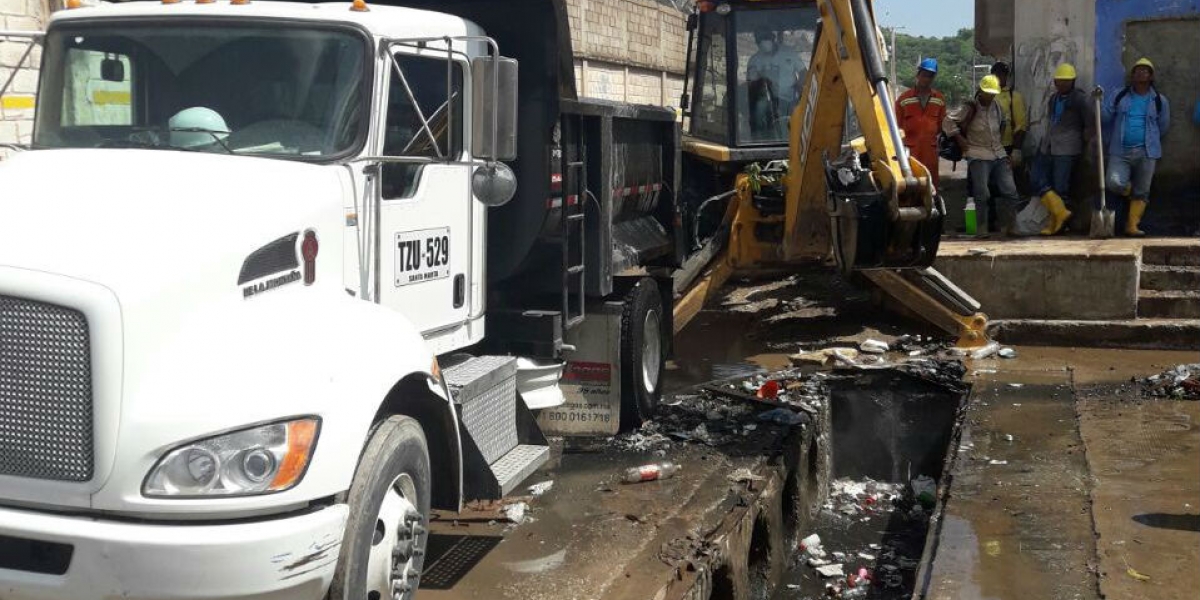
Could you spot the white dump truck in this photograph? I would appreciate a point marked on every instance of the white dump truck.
(277, 279)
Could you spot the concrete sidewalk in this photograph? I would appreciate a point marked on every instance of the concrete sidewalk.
(1094, 481)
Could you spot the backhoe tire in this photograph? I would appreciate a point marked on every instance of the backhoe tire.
(643, 356)
(384, 542)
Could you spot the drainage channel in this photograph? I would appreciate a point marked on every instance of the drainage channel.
(888, 429)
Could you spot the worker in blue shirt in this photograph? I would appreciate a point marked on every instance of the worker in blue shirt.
(1140, 117)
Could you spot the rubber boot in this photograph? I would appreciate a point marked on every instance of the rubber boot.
(1137, 208)
(1058, 212)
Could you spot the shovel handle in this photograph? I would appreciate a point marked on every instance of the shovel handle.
(1100, 150)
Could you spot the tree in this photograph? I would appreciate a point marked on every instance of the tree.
(955, 56)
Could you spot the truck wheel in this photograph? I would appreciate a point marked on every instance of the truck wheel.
(642, 352)
(383, 548)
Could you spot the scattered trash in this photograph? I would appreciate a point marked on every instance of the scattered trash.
(769, 390)
(538, 489)
(995, 462)
(1008, 437)
(873, 346)
(866, 557)
(992, 548)
(744, 474)
(1136, 575)
(650, 472)
(978, 251)
(811, 544)
(515, 512)
(833, 570)
(783, 416)
(1016, 385)
(924, 489)
(1007, 352)
(1181, 382)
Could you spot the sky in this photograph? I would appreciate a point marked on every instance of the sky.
(935, 18)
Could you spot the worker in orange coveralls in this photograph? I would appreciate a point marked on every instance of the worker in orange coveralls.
(920, 111)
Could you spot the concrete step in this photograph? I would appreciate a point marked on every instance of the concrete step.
(1169, 278)
(1154, 304)
(1175, 255)
(1152, 334)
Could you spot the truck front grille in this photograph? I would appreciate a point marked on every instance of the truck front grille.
(45, 391)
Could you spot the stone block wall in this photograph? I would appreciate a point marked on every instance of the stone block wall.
(628, 50)
(17, 104)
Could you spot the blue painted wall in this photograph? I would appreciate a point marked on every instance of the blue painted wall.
(1111, 16)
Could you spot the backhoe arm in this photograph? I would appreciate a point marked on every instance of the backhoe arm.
(847, 65)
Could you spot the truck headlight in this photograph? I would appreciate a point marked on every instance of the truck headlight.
(258, 460)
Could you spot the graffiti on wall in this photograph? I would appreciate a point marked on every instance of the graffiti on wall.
(1036, 60)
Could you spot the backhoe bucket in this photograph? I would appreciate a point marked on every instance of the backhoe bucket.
(867, 234)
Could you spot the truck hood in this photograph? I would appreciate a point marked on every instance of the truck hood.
(149, 245)
(137, 221)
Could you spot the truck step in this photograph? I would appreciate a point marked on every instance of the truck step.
(517, 465)
(501, 442)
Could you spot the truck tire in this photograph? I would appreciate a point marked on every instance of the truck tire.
(642, 353)
(383, 548)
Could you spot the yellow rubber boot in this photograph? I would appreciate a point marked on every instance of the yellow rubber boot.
(1058, 212)
(1137, 208)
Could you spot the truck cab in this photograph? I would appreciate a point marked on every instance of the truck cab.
(238, 257)
(279, 279)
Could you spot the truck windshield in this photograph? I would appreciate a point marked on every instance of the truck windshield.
(216, 87)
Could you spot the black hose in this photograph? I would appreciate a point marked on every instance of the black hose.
(864, 24)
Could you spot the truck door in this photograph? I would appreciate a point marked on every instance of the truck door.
(425, 207)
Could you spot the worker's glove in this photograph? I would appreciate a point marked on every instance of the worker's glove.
(1016, 157)
(1097, 92)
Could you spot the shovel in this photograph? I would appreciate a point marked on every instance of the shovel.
(1103, 220)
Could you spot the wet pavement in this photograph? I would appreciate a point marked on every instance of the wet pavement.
(1095, 480)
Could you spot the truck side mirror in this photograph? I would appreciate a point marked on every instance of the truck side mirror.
(493, 184)
(494, 108)
(112, 69)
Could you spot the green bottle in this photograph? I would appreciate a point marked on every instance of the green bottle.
(969, 216)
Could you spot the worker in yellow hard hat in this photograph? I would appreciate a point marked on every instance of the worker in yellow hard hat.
(1140, 116)
(1070, 129)
(977, 127)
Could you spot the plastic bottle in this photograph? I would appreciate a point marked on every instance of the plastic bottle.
(651, 472)
(969, 216)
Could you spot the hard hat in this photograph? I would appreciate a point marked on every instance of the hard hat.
(1143, 62)
(990, 84)
(1065, 71)
(929, 64)
(202, 120)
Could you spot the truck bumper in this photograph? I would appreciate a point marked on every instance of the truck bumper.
(59, 557)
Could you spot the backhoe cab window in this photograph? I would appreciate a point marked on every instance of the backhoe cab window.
(774, 48)
(759, 57)
(217, 87)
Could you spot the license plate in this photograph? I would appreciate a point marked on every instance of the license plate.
(422, 255)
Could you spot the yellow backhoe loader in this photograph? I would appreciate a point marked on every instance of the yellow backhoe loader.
(792, 153)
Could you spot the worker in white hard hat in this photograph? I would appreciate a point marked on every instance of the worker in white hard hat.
(1140, 117)
(978, 128)
(198, 128)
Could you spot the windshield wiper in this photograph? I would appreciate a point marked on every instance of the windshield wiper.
(216, 136)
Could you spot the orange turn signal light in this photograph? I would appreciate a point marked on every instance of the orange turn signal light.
(360, 6)
(301, 436)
